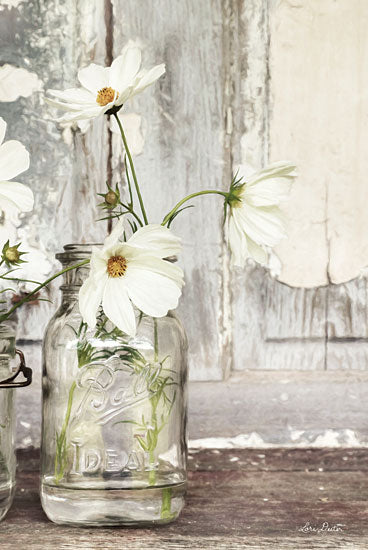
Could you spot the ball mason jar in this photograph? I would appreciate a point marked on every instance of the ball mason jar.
(114, 438)
(8, 374)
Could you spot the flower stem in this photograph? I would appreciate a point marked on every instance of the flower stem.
(188, 198)
(59, 466)
(166, 503)
(131, 211)
(27, 298)
(155, 336)
(154, 403)
(132, 169)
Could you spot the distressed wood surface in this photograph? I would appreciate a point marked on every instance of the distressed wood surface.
(240, 499)
(318, 81)
(251, 409)
(52, 39)
(185, 150)
(276, 326)
(223, 101)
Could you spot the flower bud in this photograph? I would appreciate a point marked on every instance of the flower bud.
(12, 254)
(111, 198)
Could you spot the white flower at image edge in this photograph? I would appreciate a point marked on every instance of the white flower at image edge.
(105, 87)
(255, 220)
(132, 272)
(14, 159)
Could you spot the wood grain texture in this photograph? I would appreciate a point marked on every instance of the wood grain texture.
(67, 169)
(281, 408)
(218, 105)
(229, 505)
(185, 150)
(318, 106)
(251, 409)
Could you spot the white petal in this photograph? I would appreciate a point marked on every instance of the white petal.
(257, 252)
(117, 306)
(263, 225)
(237, 243)
(267, 192)
(13, 193)
(83, 115)
(124, 95)
(2, 129)
(77, 107)
(98, 261)
(276, 169)
(125, 68)
(146, 78)
(77, 96)
(140, 260)
(152, 293)
(113, 238)
(94, 77)
(14, 159)
(90, 297)
(159, 240)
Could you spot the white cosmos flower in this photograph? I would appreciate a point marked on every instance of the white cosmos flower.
(14, 159)
(132, 272)
(105, 87)
(255, 220)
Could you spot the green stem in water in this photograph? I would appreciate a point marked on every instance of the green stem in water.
(192, 196)
(27, 298)
(155, 335)
(166, 503)
(132, 169)
(154, 403)
(59, 466)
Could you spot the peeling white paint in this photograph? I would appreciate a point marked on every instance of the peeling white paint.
(318, 104)
(337, 438)
(38, 266)
(17, 82)
(9, 4)
(274, 264)
(241, 441)
(67, 133)
(26, 442)
(299, 439)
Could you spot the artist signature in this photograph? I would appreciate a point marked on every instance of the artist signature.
(325, 527)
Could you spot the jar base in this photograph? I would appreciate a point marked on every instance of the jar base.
(7, 491)
(112, 507)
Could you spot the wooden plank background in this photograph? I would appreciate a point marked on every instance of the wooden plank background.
(242, 86)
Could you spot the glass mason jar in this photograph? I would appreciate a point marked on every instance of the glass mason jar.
(8, 374)
(114, 415)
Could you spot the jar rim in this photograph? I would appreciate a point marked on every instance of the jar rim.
(7, 331)
(76, 251)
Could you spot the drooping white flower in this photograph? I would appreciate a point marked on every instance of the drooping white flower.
(132, 272)
(14, 159)
(255, 220)
(105, 87)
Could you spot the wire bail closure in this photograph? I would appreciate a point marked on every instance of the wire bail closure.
(22, 368)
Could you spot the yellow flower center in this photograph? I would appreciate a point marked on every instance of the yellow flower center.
(105, 96)
(116, 266)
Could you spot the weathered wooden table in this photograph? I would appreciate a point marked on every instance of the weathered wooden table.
(256, 499)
